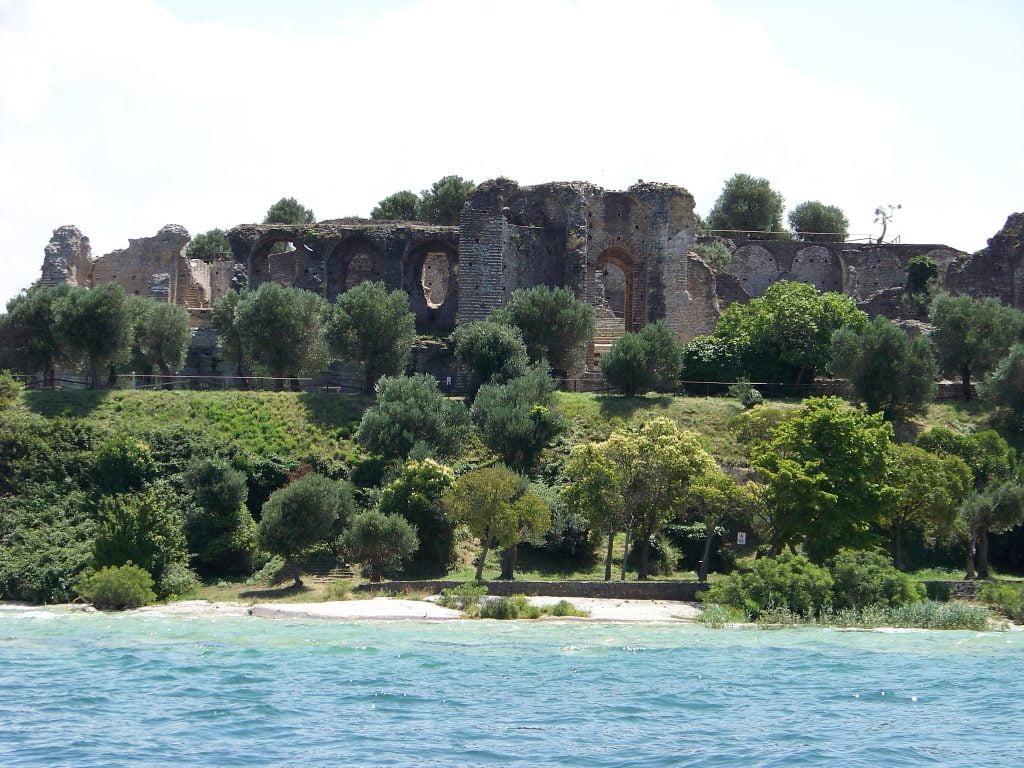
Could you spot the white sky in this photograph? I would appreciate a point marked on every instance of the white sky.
(120, 116)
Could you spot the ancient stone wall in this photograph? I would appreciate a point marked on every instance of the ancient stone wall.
(67, 258)
(997, 270)
(330, 257)
(625, 253)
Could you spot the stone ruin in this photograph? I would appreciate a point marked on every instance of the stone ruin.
(627, 253)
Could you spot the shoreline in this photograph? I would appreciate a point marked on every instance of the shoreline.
(602, 610)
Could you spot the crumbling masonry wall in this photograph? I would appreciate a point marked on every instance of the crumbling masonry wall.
(330, 257)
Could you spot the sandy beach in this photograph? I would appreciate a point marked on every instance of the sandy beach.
(397, 609)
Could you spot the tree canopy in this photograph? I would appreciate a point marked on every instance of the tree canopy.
(748, 208)
(372, 326)
(282, 330)
(288, 210)
(416, 495)
(443, 202)
(498, 507)
(555, 325)
(972, 335)
(638, 362)
(494, 352)
(161, 335)
(1004, 385)
(518, 419)
(815, 222)
(381, 541)
(411, 410)
(885, 368)
(95, 324)
(209, 246)
(824, 470)
(30, 339)
(399, 206)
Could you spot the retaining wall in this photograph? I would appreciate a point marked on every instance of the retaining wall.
(620, 590)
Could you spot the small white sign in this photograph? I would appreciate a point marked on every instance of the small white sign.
(741, 538)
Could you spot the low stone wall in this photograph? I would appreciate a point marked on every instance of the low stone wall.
(619, 590)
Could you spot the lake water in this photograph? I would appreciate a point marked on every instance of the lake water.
(91, 690)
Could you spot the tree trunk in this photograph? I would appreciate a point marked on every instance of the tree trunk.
(965, 379)
(971, 544)
(375, 574)
(983, 554)
(608, 557)
(897, 545)
(645, 557)
(508, 563)
(625, 556)
(165, 374)
(486, 542)
(709, 537)
(293, 568)
(296, 386)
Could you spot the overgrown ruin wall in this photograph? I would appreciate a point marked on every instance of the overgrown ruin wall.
(628, 254)
(330, 257)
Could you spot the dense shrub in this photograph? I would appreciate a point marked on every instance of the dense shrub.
(868, 578)
(1007, 598)
(416, 496)
(123, 464)
(117, 587)
(463, 597)
(220, 531)
(380, 541)
(10, 388)
(789, 582)
(514, 607)
(748, 396)
(638, 362)
(178, 581)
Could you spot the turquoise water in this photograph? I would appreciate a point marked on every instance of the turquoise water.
(134, 690)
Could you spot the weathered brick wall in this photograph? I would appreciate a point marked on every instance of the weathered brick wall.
(133, 267)
(67, 258)
(620, 590)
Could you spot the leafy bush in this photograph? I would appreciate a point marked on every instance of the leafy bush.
(416, 495)
(790, 582)
(563, 608)
(117, 587)
(10, 388)
(179, 581)
(123, 464)
(464, 597)
(380, 541)
(868, 578)
(664, 557)
(1008, 599)
(745, 393)
(506, 608)
(338, 590)
(638, 362)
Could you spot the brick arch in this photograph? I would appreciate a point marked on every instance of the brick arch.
(352, 261)
(266, 263)
(430, 278)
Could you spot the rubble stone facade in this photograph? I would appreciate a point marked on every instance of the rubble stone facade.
(627, 253)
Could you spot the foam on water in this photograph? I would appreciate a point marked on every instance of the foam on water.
(148, 690)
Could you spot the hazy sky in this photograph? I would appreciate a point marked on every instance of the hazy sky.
(120, 116)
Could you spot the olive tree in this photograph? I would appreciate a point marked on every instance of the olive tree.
(443, 202)
(381, 541)
(400, 206)
(555, 325)
(815, 222)
(30, 340)
(748, 207)
(372, 326)
(95, 326)
(495, 353)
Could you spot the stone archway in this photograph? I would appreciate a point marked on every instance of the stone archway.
(430, 277)
(612, 279)
(281, 259)
(352, 262)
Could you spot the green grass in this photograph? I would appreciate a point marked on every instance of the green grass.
(285, 424)
(926, 614)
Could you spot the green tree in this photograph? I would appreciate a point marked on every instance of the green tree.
(308, 511)
(789, 582)
(748, 208)
(922, 279)
(498, 508)
(229, 335)
(123, 464)
(95, 326)
(443, 202)
(712, 359)
(416, 495)
(815, 222)
(638, 362)
(885, 368)
(411, 410)
(373, 326)
(140, 528)
(556, 326)
(995, 509)
(713, 496)
(379, 540)
(863, 578)
(282, 331)
(825, 471)
(209, 246)
(593, 490)
(219, 528)
(652, 467)
(518, 419)
(972, 335)
(1004, 385)
(30, 340)
(990, 458)
(288, 210)
(161, 335)
(495, 353)
(400, 206)
(786, 334)
(928, 490)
